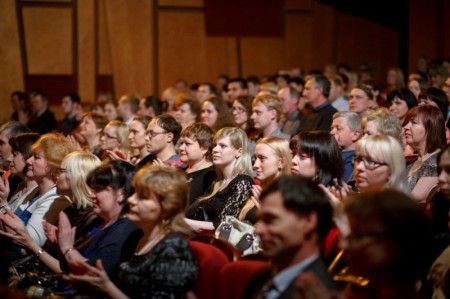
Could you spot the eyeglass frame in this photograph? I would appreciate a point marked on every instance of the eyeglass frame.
(106, 135)
(153, 134)
(239, 110)
(60, 170)
(368, 163)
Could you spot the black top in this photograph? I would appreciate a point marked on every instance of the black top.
(168, 271)
(42, 124)
(200, 181)
(67, 125)
(321, 119)
(227, 202)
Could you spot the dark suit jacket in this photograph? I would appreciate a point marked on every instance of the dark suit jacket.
(262, 277)
(42, 124)
(320, 119)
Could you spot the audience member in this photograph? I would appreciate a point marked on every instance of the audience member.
(150, 106)
(215, 113)
(290, 119)
(128, 108)
(42, 120)
(241, 113)
(71, 107)
(361, 100)
(236, 87)
(205, 91)
(21, 111)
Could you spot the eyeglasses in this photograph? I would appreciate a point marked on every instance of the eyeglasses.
(154, 134)
(106, 135)
(368, 163)
(239, 110)
(60, 170)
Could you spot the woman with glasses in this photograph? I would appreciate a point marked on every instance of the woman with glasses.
(46, 156)
(425, 133)
(241, 113)
(379, 164)
(114, 138)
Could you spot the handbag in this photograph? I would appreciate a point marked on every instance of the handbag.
(240, 234)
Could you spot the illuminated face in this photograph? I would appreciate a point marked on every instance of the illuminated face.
(304, 165)
(240, 116)
(399, 108)
(224, 153)
(145, 208)
(267, 165)
(190, 151)
(209, 114)
(415, 133)
(359, 102)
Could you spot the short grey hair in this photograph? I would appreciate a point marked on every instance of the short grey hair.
(353, 119)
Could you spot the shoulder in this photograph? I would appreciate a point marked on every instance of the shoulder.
(243, 179)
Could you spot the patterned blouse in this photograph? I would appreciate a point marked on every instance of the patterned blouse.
(227, 202)
(427, 169)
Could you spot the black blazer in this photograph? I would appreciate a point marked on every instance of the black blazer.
(44, 123)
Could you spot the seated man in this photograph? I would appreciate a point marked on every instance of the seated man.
(295, 217)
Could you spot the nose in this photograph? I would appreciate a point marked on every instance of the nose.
(132, 199)
(443, 177)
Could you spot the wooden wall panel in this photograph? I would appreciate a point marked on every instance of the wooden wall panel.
(86, 50)
(363, 41)
(297, 39)
(262, 56)
(298, 4)
(104, 63)
(185, 51)
(48, 40)
(129, 29)
(11, 75)
(180, 3)
(323, 35)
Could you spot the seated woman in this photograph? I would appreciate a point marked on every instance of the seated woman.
(425, 133)
(196, 142)
(71, 181)
(188, 110)
(47, 153)
(316, 156)
(216, 114)
(230, 191)
(91, 126)
(163, 265)
(242, 112)
(381, 121)
(272, 159)
(20, 152)
(114, 139)
(136, 138)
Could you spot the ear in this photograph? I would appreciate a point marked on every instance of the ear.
(281, 163)
(169, 137)
(273, 114)
(356, 135)
(239, 153)
(120, 196)
(310, 222)
(204, 150)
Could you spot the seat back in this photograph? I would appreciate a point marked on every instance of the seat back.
(210, 261)
(231, 252)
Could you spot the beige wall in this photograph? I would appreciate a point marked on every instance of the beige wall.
(146, 45)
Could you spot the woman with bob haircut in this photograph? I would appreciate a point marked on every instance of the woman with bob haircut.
(316, 156)
(114, 137)
(379, 164)
(230, 190)
(71, 181)
(272, 159)
(20, 152)
(47, 153)
(215, 113)
(91, 126)
(163, 265)
(196, 143)
(425, 133)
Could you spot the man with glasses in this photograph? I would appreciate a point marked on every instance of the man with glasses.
(161, 137)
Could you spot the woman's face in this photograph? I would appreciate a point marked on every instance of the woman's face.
(136, 137)
(88, 127)
(37, 165)
(63, 180)
(415, 133)
(144, 208)
(107, 202)
(399, 108)
(391, 77)
(414, 87)
(240, 115)
(267, 164)
(224, 153)
(190, 151)
(304, 165)
(109, 139)
(370, 173)
(209, 114)
(371, 127)
(444, 175)
(184, 115)
(16, 162)
(110, 112)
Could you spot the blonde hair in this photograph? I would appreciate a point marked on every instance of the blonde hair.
(282, 151)
(271, 102)
(122, 134)
(54, 147)
(387, 122)
(385, 149)
(242, 165)
(78, 165)
(171, 188)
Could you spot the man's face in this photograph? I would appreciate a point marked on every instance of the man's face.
(289, 103)
(234, 90)
(261, 116)
(359, 102)
(281, 231)
(203, 93)
(122, 109)
(311, 92)
(342, 133)
(5, 148)
(38, 103)
(67, 105)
